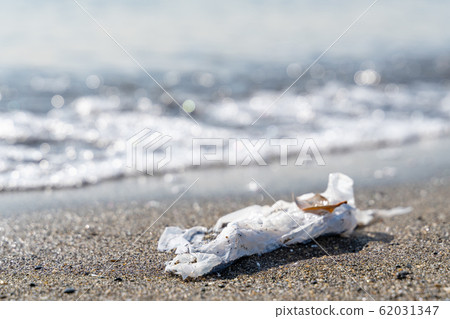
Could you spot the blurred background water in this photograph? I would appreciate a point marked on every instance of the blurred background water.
(70, 98)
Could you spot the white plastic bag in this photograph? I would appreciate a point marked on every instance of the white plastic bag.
(261, 229)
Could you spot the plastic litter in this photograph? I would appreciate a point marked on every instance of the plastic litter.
(261, 229)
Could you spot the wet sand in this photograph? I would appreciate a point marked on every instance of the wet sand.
(98, 252)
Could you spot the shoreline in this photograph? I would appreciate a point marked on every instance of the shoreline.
(90, 239)
(385, 166)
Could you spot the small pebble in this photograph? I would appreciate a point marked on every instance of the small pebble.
(32, 284)
(69, 291)
(118, 279)
(402, 274)
(221, 286)
(313, 282)
(38, 267)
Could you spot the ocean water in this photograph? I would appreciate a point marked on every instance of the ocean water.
(69, 100)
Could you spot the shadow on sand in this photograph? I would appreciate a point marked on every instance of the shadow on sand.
(333, 245)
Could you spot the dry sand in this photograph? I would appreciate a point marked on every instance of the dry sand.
(98, 252)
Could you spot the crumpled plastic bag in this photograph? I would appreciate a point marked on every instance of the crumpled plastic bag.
(261, 229)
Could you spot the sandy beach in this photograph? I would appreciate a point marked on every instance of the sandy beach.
(117, 122)
(97, 253)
